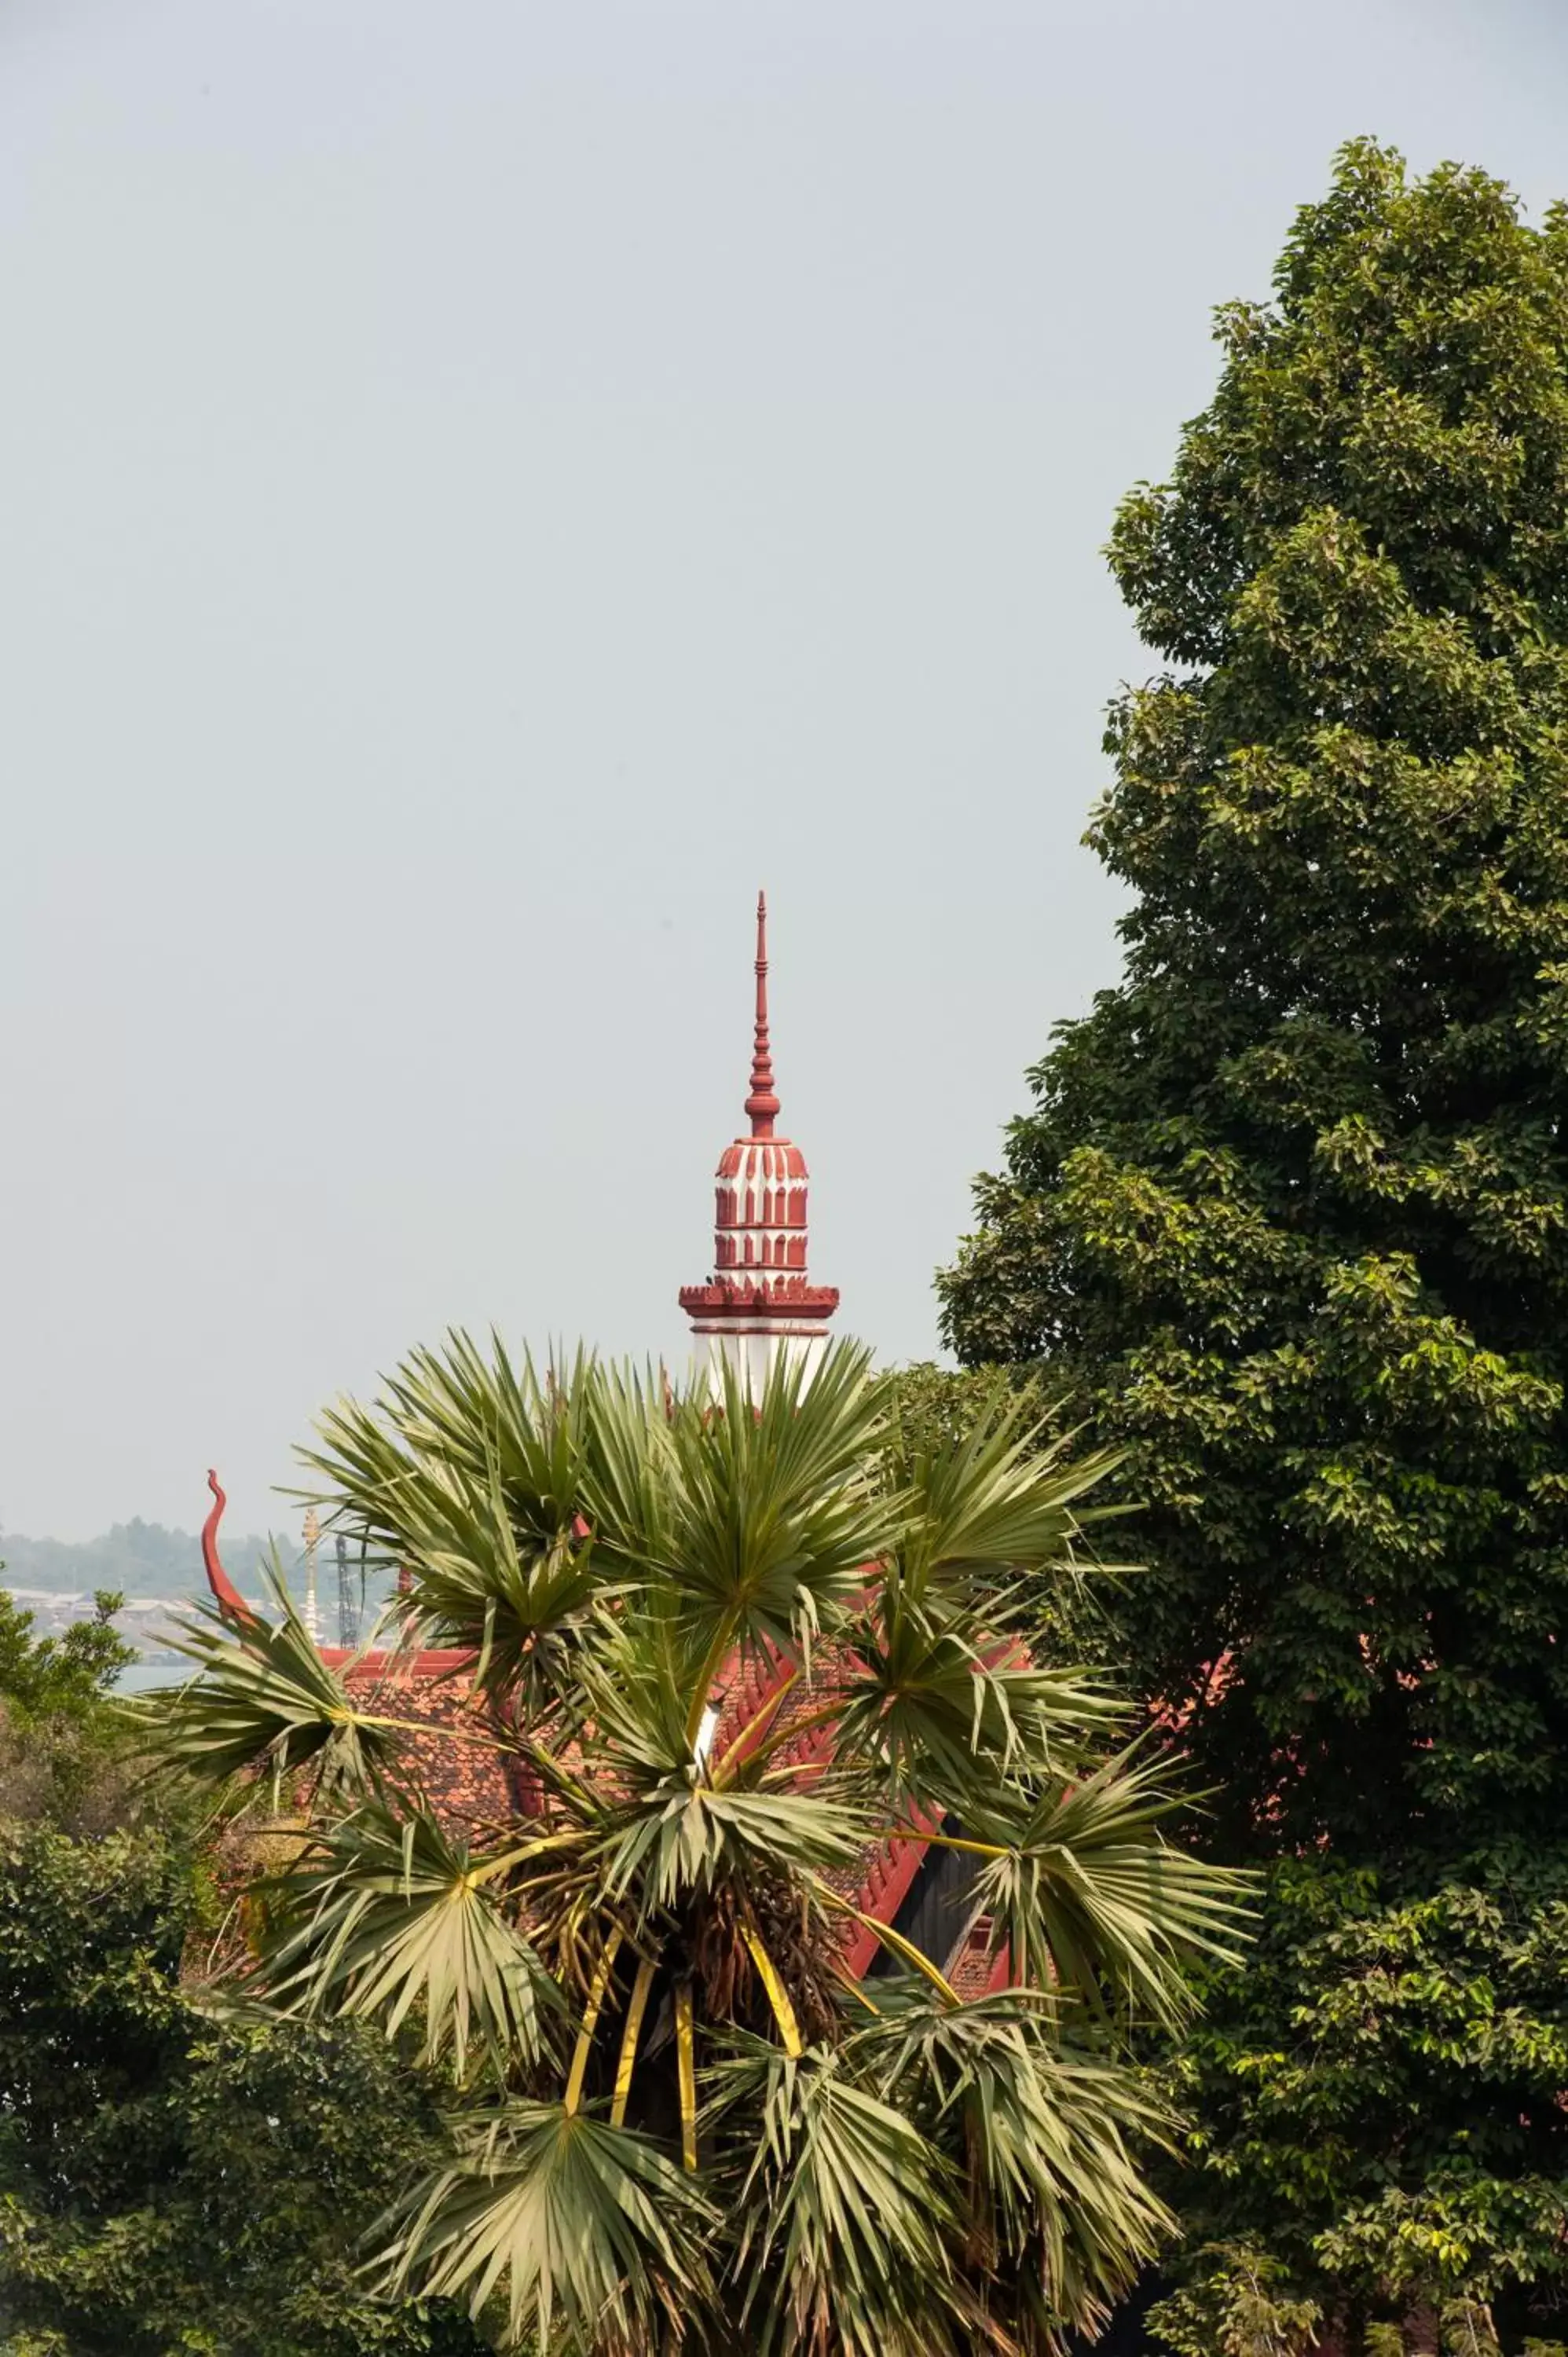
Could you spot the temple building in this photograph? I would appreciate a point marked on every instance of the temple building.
(758, 1306)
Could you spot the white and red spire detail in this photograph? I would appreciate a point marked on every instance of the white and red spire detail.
(758, 1302)
(762, 1106)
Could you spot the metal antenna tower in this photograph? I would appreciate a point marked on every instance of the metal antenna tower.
(348, 1604)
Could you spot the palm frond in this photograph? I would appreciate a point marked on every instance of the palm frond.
(691, 1838)
(467, 1474)
(943, 1695)
(262, 1699)
(1046, 2135)
(845, 2210)
(935, 1710)
(595, 2238)
(757, 1513)
(997, 1499)
(393, 1918)
(639, 1674)
(1089, 1893)
(457, 1409)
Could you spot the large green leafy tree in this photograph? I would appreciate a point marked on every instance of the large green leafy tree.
(731, 1652)
(1291, 1204)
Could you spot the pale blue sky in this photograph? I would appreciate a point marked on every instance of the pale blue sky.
(486, 486)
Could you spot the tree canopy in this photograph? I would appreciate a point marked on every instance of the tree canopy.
(65, 1676)
(1290, 1205)
(56, 1737)
(1293, 1199)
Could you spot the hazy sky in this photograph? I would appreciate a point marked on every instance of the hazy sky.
(485, 486)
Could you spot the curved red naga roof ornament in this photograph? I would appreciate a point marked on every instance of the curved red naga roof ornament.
(231, 1603)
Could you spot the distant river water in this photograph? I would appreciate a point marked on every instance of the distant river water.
(140, 1675)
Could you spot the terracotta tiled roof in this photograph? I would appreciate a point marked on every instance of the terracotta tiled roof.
(469, 1784)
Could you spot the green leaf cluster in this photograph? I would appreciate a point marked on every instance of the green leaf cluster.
(56, 1732)
(1289, 1210)
(169, 2183)
(1378, 2097)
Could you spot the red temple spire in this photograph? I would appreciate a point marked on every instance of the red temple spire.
(760, 1305)
(762, 1105)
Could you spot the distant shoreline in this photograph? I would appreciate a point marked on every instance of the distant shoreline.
(138, 1559)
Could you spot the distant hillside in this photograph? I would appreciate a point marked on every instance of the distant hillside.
(138, 1559)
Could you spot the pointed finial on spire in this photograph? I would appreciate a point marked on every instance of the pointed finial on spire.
(762, 1105)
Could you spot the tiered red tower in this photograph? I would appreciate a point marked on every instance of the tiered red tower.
(759, 1306)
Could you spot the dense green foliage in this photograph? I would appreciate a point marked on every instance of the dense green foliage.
(65, 1676)
(1291, 1207)
(1380, 2094)
(167, 2183)
(733, 1657)
(56, 1737)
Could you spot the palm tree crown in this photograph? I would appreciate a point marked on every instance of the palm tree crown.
(736, 1652)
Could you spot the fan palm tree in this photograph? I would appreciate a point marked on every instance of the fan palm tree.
(736, 1652)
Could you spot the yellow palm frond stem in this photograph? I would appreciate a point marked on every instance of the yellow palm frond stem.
(629, 2037)
(686, 2053)
(601, 1982)
(755, 1728)
(842, 1973)
(944, 1841)
(778, 1994)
